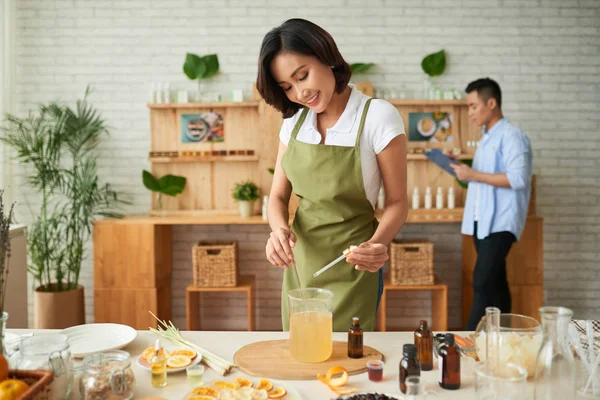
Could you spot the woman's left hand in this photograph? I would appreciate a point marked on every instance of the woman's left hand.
(368, 256)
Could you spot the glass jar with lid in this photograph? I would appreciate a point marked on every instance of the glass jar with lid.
(107, 376)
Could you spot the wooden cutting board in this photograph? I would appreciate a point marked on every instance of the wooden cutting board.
(272, 359)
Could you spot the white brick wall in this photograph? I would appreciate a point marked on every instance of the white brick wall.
(544, 53)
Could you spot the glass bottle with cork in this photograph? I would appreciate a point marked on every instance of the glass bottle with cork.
(355, 339)
(449, 364)
(424, 343)
(409, 365)
(159, 367)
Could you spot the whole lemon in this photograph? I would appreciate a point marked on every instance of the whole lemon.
(12, 389)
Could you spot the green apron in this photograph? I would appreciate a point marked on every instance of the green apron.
(334, 213)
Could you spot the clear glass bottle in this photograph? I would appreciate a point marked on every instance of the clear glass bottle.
(449, 365)
(159, 367)
(355, 339)
(107, 375)
(555, 366)
(409, 365)
(424, 343)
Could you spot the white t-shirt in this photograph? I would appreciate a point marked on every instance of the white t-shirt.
(383, 123)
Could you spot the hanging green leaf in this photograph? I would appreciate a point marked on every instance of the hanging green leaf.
(359, 68)
(196, 67)
(150, 182)
(171, 185)
(212, 65)
(434, 64)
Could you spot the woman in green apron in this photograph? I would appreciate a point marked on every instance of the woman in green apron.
(337, 145)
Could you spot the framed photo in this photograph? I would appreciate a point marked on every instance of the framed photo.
(202, 128)
(430, 127)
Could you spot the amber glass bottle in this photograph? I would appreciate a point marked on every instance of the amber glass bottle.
(408, 365)
(424, 343)
(355, 339)
(449, 364)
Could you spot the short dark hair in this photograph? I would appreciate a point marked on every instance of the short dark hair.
(486, 88)
(303, 37)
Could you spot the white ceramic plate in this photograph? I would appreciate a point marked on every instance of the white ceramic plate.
(426, 132)
(171, 370)
(95, 338)
(292, 394)
(10, 336)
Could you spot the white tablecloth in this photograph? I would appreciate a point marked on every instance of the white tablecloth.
(225, 344)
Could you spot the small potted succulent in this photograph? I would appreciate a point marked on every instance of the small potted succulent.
(246, 193)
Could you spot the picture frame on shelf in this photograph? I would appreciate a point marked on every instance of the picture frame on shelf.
(430, 127)
(202, 128)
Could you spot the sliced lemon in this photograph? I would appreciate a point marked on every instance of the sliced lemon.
(343, 391)
(201, 397)
(224, 385)
(277, 393)
(265, 384)
(243, 382)
(184, 352)
(178, 361)
(205, 391)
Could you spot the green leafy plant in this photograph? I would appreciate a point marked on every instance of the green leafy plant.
(246, 191)
(200, 67)
(434, 64)
(359, 68)
(170, 185)
(462, 184)
(271, 171)
(57, 146)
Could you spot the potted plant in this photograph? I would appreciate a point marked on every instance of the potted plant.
(246, 193)
(200, 67)
(361, 68)
(433, 65)
(5, 220)
(169, 185)
(57, 147)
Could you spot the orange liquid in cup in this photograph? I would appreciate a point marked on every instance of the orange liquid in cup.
(310, 336)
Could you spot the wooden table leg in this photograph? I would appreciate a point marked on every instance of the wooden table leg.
(192, 311)
(439, 309)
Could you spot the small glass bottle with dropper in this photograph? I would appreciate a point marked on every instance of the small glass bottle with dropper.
(355, 339)
(159, 367)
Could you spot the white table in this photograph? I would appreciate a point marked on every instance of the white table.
(225, 344)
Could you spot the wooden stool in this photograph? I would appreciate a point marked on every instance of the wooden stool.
(245, 284)
(439, 303)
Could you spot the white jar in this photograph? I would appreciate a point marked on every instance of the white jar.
(428, 198)
(451, 198)
(415, 199)
(439, 198)
(264, 207)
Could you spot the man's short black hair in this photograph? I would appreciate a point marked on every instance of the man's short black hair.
(304, 37)
(486, 88)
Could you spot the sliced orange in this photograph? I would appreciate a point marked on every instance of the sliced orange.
(343, 391)
(149, 353)
(243, 382)
(265, 384)
(276, 393)
(184, 352)
(338, 380)
(224, 385)
(201, 397)
(178, 361)
(205, 391)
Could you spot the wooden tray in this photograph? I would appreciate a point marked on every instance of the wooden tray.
(272, 359)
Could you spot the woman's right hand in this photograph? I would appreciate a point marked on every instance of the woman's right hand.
(279, 247)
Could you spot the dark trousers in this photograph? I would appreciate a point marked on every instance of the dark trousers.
(490, 286)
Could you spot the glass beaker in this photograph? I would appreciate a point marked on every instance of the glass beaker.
(555, 366)
(311, 324)
(48, 352)
(507, 381)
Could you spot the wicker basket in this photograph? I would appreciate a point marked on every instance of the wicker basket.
(215, 264)
(411, 262)
(38, 381)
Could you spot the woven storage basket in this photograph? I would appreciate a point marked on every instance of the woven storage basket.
(411, 262)
(38, 380)
(215, 264)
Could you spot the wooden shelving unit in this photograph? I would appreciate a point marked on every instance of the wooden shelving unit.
(220, 104)
(202, 159)
(421, 157)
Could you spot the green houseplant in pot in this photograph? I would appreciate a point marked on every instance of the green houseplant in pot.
(200, 68)
(246, 193)
(5, 221)
(56, 144)
(169, 185)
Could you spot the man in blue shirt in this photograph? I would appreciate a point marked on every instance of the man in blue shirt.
(497, 196)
